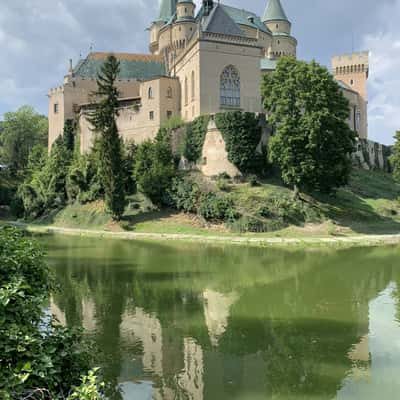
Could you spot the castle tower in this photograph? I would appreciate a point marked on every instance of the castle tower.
(167, 11)
(185, 10)
(353, 70)
(275, 18)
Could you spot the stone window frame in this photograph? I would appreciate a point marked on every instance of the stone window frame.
(230, 90)
(151, 115)
(56, 108)
(150, 93)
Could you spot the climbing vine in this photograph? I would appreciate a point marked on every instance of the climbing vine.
(242, 134)
(195, 136)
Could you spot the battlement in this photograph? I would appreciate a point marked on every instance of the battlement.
(351, 63)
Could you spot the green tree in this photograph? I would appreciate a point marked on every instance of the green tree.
(103, 119)
(395, 157)
(38, 358)
(154, 169)
(20, 132)
(312, 141)
(45, 187)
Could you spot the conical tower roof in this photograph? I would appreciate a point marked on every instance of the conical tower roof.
(167, 10)
(274, 12)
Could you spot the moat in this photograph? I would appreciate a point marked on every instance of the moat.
(194, 321)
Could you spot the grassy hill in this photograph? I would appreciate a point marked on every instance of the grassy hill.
(370, 204)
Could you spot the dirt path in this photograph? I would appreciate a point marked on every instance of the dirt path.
(362, 240)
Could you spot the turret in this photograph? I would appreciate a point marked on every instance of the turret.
(185, 10)
(167, 10)
(275, 18)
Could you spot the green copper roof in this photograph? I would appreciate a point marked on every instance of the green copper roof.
(243, 17)
(132, 66)
(274, 12)
(167, 10)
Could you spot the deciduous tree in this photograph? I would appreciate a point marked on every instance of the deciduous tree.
(312, 141)
(395, 157)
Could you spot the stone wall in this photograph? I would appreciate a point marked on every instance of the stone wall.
(371, 155)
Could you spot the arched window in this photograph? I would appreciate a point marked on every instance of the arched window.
(169, 92)
(186, 91)
(150, 92)
(193, 86)
(230, 87)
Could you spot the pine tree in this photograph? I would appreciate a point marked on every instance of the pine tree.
(312, 141)
(103, 119)
(395, 158)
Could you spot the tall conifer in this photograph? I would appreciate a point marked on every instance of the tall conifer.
(103, 119)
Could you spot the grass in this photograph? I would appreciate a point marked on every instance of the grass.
(368, 205)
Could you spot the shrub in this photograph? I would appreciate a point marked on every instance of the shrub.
(154, 170)
(253, 180)
(35, 353)
(216, 208)
(185, 195)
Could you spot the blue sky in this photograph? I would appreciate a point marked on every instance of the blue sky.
(37, 38)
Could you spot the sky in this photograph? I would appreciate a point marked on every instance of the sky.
(38, 37)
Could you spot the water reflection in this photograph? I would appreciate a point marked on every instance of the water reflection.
(200, 322)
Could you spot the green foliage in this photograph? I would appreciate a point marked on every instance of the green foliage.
(103, 119)
(45, 188)
(20, 132)
(214, 207)
(154, 170)
(312, 140)
(90, 388)
(185, 195)
(84, 180)
(69, 134)
(242, 134)
(395, 157)
(36, 355)
(194, 138)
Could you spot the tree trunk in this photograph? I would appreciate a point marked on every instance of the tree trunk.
(296, 193)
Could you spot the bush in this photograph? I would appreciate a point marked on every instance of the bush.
(154, 170)
(216, 208)
(253, 180)
(185, 195)
(35, 352)
(254, 224)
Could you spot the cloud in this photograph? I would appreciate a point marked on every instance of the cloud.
(38, 37)
(384, 81)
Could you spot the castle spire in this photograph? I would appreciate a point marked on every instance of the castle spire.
(274, 12)
(167, 10)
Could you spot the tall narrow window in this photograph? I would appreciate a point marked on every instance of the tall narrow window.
(230, 87)
(169, 92)
(186, 92)
(193, 86)
(150, 92)
(56, 108)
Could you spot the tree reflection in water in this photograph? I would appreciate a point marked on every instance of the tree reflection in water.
(190, 321)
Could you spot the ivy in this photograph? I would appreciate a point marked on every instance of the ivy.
(242, 134)
(194, 138)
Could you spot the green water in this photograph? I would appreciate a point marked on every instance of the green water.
(192, 321)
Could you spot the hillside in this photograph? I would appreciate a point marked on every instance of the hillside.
(370, 204)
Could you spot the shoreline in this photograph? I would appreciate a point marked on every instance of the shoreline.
(359, 240)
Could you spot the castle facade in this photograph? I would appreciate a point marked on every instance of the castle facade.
(199, 63)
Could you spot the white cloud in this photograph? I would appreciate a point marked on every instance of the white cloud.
(384, 81)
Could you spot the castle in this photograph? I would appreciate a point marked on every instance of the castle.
(199, 63)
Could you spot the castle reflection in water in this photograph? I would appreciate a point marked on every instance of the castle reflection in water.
(261, 324)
